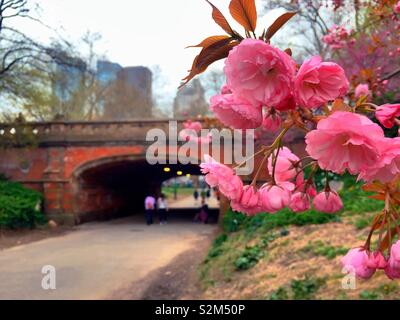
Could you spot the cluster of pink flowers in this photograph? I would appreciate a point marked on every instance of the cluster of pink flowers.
(352, 142)
(337, 36)
(364, 264)
(288, 190)
(260, 75)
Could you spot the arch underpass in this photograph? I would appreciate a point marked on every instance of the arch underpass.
(115, 187)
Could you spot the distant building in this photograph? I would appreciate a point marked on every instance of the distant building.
(107, 72)
(129, 91)
(190, 101)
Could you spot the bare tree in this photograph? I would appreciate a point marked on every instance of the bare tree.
(213, 82)
(19, 54)
(314, 19)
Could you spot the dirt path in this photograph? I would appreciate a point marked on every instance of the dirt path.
(99, 260)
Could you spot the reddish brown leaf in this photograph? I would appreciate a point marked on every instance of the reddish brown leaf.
(289, 51)
(210, 41)
(279, 23)
(385, 242)
(376, 223)
(221, 20)
(216, 51)
(244, 12)
(380, 197)
(373, 187)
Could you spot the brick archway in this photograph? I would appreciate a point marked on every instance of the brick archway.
(111, 187)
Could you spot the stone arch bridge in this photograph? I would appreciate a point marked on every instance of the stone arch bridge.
(87, 170)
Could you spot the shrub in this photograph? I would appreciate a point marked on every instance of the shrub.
(280, 294)
(301, 289)
(216, 249)
(249, 258)
(305, 289)
(19, 207)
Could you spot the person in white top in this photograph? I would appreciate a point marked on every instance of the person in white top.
(162, 207)
(150, 207)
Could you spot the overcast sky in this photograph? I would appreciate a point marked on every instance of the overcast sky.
(138, 32)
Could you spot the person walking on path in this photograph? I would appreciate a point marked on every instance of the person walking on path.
(150, 207)
(196, 196)
(162, 207)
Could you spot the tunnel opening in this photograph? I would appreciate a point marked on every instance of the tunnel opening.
(117, 188)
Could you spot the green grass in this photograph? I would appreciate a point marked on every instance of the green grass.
(299, 289)
(319, 248)
(249, 258)
(169, 192)
(380, 292)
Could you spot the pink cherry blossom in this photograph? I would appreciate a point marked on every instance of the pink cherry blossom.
(284, 169)
(362, 90)
(387, 114)
(236, 112)
(395, 254)
(276, 197)
(193, 125)
(260, 73)
(387, 167)
(271, 122)
(336, 38)
(356, 260)
(319, 82)
(299, 202)
(396, 8)
(328, 202)
(393, 268)
(249, 202)
(376, 260)
(223, 177)
(343, 141)
(392, 272)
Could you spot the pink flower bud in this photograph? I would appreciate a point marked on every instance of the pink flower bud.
(276, 197)
(328, 202)
(356, 260)
(393, 267)
(299, 202)
(249, 202)
(396, 8)
(376, 260)
(362, 90)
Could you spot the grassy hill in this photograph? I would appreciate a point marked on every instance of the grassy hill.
(293, 256)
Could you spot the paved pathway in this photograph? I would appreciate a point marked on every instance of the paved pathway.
(96, 260)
